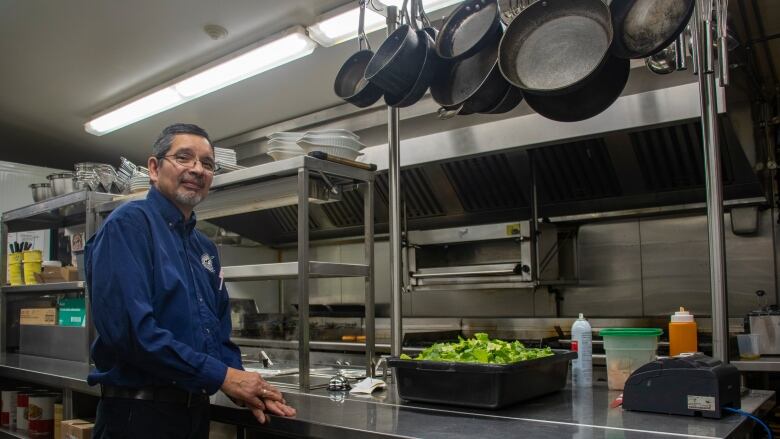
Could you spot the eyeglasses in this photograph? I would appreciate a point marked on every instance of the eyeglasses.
(189, 160)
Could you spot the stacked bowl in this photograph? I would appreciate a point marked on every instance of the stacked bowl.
(336, 142)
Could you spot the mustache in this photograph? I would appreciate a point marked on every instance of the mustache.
(193, 179)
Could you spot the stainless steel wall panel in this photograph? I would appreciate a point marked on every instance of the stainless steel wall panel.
(482, 303)
(750, 266)
(675, 274)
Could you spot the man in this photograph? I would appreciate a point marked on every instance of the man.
(161, 309)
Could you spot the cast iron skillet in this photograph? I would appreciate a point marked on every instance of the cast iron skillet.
(471, 85)
(351, 84)
(469, 28)
(555, 47)
(431, 62)
(586, 102)
(397, 63)
(645, 27)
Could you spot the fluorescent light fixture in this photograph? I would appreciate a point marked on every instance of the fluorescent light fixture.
(265, 55)
(341, 25)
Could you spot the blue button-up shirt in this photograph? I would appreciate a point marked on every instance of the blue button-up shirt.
(158, 302)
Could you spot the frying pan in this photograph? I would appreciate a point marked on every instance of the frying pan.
(471, 85)
(469, 28)
(645, 27)
(555, 47)
(351, 84)
(397, 63)
(585, 102)
(431, 61)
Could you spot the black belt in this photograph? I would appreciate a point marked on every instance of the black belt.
(159, 394)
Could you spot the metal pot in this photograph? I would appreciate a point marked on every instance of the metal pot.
(397, 63)
(62, 183)
(40, 191)
(431, 62)
(663, 62)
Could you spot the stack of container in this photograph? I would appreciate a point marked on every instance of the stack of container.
(336, 142)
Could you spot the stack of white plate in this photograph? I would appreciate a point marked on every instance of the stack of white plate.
(226, 159)
(337, 142)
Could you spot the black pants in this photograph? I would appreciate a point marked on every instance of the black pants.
(134, 419)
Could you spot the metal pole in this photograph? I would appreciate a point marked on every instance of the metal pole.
(368, 213)
(536, 273)
(303, 279)
(394, 184)
(712, 171)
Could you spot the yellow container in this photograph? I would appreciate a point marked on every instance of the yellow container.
(30, 268)
(14, 258)
(15, 277)
(32, 256)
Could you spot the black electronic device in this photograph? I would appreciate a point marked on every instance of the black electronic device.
(693, 385)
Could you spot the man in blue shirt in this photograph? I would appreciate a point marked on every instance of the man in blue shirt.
(161, 309)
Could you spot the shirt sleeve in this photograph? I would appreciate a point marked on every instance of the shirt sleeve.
(120, 278)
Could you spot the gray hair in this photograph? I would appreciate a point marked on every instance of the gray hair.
(163, 143)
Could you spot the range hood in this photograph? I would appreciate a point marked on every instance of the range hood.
(644, 152)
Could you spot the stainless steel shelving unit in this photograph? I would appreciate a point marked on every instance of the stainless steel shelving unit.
(67, 210)
(300, 181)
(296, 181)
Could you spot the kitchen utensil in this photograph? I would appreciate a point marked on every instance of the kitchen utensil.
(585, 102)
(351, 84)
(431, 62)
(339, 382)
(40, 191)
(511, 99)
(468, 29)
(556, 47)
(397, 63)
(471, 85)
(663, 62)
(61, 183)
(645, 27)
(11, 246)
(335, 159)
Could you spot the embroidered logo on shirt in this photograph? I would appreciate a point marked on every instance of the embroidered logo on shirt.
(205, 259)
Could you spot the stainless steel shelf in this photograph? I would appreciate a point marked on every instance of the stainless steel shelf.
(12, 434)
(289, 270)
(763, 364)
(52, 213)
(51, 372)
(45, 288)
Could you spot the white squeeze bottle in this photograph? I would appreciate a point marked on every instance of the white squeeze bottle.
(582, 343)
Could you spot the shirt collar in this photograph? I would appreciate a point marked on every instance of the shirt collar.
(168, 210)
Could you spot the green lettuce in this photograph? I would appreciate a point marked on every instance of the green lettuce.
(481, 349)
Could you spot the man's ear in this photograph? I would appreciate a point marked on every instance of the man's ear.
(153, 165)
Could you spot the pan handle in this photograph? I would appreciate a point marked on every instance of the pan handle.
(444, 113)
(721, 13)
(414, 15)
(362, 39)
(681, 52)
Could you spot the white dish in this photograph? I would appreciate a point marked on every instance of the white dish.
(284, 155)
(342, 142)
(338, 151)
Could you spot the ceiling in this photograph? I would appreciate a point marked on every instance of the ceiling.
(65, 61)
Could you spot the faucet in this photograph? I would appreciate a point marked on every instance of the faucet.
(263, 357)
(383, 364)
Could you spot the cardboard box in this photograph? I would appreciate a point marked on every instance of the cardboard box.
(38, 316)
(70, 274)
(76, 429)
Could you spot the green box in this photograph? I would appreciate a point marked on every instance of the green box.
(72, 312)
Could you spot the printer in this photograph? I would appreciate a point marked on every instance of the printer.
(692, 385)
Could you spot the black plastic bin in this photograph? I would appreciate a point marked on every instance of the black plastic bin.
(490, 386)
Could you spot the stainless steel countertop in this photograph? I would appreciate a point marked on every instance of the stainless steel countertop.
(763, 364)
(569, 413)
